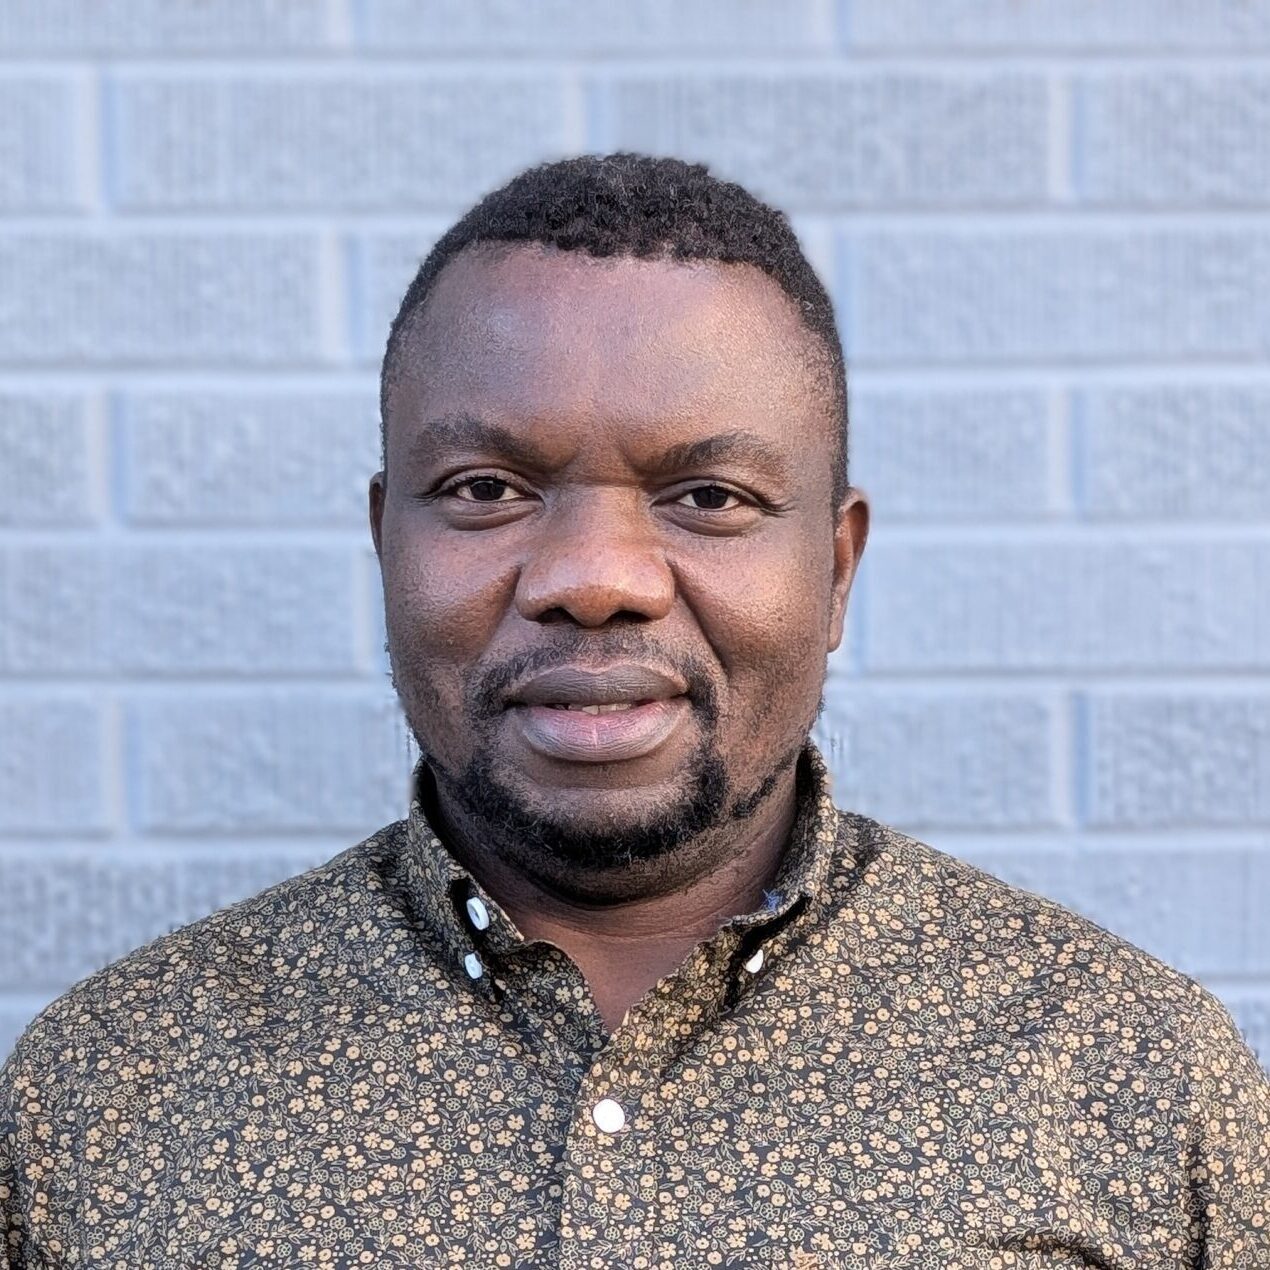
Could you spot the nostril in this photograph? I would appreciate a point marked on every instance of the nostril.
(552, 616)
(622, 617)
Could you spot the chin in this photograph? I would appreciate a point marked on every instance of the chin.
(592, 810)
(597, 806)
(593, 827)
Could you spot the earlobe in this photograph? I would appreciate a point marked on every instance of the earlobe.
(851, 531)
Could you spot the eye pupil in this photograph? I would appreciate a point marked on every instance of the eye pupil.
(487, 489)
(710, 497)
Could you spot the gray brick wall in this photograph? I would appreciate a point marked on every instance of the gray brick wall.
(1044, 226)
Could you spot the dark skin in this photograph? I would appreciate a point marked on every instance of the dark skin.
(542, 492)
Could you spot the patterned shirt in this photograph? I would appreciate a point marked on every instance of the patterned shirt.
(897, 1061)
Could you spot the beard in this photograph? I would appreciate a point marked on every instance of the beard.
(522, 831)
(528, 834)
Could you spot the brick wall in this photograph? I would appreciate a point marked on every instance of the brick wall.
(1044, 225)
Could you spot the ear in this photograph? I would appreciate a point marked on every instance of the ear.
(378, 493)
(851, 531)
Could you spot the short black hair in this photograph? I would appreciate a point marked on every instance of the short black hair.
(648, 207)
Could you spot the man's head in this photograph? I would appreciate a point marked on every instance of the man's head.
(647, 208)
(614, 476)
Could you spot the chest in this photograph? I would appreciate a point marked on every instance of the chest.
(773, 1146)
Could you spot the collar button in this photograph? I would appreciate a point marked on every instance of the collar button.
(477, 913)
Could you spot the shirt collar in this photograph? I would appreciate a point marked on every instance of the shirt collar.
(439, 888)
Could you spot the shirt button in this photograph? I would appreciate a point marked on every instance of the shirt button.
(755, 963)
(477, 913)
(472, 964)
(608, 1116)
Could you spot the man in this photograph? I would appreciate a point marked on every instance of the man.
(625, 989)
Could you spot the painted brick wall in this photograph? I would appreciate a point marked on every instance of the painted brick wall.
(1044, 225)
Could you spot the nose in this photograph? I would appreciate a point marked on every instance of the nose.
(593, 565)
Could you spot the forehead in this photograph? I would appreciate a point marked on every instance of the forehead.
(528, 333)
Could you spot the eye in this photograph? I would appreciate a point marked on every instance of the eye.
(710, 498)
(483, 489)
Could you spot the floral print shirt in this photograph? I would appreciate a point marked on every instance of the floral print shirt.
(898, 1061)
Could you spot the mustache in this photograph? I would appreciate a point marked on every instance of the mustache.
(486, 693)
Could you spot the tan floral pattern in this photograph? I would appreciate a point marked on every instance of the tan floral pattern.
(928, 1070)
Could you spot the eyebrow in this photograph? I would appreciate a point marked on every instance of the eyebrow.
(469, 432)
(737, 446)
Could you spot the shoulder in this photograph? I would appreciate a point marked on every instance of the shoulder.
(1015, 956)
(182, 990)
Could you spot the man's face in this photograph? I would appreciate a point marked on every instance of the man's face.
(611, 567)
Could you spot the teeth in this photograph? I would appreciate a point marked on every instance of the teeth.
(607, 708)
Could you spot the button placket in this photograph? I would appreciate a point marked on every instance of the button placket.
(601, 1166)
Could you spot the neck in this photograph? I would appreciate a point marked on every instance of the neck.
(624, 947)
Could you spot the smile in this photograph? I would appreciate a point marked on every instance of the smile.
(599, 714)
(599, 732)
(605, 707)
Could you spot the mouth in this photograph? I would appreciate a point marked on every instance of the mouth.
(582, 715)
(603, 707)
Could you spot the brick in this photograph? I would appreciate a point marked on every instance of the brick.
(1173, 138)
(68, 913)
(1068, 605)
(933, 758)
(199, 607)
(250, 458)
(554, 27)
(51, 766)
(818, 243)
(1178, 759)
(271, 761)
(1176, 450)
(385, 265)
(1027, 295)
(15, 1014)
(966, 454)
(1077, 25)
(46, 475)
(1251, 1011)
(146, 26)
(1259, 897)
(390, 141)
(880, 138)
(159, 299)
(38, 144)
(1195, 908)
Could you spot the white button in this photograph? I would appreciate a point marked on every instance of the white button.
(472, 964)
(477, 911)
(755, 963)
(608, 1116)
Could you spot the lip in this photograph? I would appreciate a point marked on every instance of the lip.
(599, 738)
(658, 705)
(581, 685)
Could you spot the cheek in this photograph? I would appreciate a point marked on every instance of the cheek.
(442, 604)
(766, 617)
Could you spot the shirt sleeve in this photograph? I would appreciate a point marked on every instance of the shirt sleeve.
(22, 1163)
(10, 1221)
(1229, 1149)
